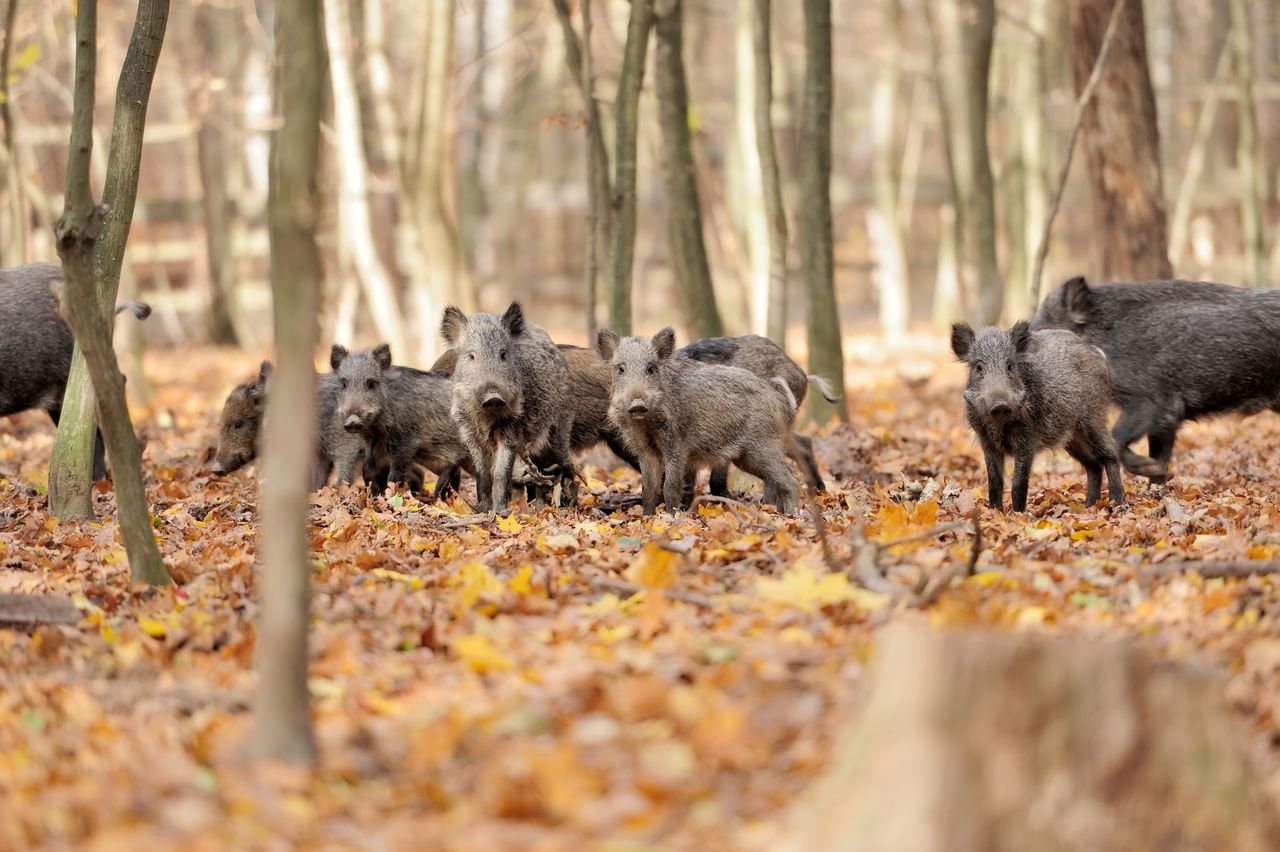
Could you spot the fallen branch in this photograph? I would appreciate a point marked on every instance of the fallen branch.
(623, 587)
(727, 502)
(930, 592)
(463, 521)
(1216, 569)
(26, 610)
(1086, 94)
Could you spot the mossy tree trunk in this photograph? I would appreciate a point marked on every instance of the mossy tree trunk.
(77, 233)
(71, 464)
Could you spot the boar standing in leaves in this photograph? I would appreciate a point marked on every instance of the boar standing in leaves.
(1029, 391)
(766, 359)
(240, 433)
(679, 418)
(510, 397)
(36, 346)
(399, 413)
(1179, 350)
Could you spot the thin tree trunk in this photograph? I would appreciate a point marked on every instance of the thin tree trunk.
(1255, 251)
(17, 198)
(1185, 198)
(684, 211)
(281, 715)
(766, 147)
(882, 220)
(76, 235)
(71, 463)
(963, 32)
(751, 215)
(217, 35)
(622, 247)
(947, 303)
(1031, 88)
(446, 275)
(353, 176)
(1121, 143)
(817, 238)
(599, 222)
(971, 741)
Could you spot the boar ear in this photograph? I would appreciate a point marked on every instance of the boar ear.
(1021, 333)
(513, 320)
(664, 342)
(337, 355)
(264, 371)
(452, 324)
(382, 354)
(1075, 297)
(606, 344)
(961, 340)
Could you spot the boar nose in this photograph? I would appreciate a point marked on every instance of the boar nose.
(494, 402)
(219, 467)
(352, 424)
(637, 408)
(1001, 410)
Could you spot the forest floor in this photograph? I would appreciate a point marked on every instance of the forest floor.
(563, 680)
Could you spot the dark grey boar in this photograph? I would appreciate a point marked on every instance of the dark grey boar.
(766, 359)
(678, 418)
(510, 397)
(1029, 391)
(400, 413)
(36, 345)
(1178, 350)
(240, 433)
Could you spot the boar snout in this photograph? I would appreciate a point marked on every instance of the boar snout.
(638, 408)
(493, 402)
(1000, 410)
(353, 423)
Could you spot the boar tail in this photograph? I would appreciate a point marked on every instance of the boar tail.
(825, 387)
(141, 310)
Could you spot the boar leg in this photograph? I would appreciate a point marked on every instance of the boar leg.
(720, 480)
(1134, 423)
(504, 461)
(676, 465)
(651, 482)
(995, 479)
(1021, 479)
(1080, 451)
(1160, 448)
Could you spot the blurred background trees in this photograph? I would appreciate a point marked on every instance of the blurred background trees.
(457, 151)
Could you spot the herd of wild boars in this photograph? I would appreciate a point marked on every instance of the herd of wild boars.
(508, 406)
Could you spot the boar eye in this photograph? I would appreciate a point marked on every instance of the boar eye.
(1010, 365)
(471, 356)
(622, 368)
(651, 369)
(372, 384)
(502, 355)
(977, 368)
(344, 383)
(239, 424)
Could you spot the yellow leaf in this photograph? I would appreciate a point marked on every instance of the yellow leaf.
(609, 635)
(29, 56)
(510, 523)
(408, 579)
(655, 569)
(473, 581)
(478, 652)
(925, 513)
(557, 544)
(1031, 616)
(521, 584)
(449, 549)
(1041, 530)
(803, 588)
(891, 522)
(153, 627)
(51, 523)
(986, 578)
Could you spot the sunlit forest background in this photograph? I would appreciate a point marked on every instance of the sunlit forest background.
(472, 149)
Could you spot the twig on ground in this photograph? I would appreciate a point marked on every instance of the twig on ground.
(942, 581)
(1216, 569)
(623, 587)
(463, 521)
(727, 502)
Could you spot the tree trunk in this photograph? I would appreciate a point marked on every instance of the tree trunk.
(752, 219)
(882, 220)
(962, 33)
(775, 211)
(1122, 147)
(217, 33)
(17, 197)
(1255, 252)
(1031, 87)
(76, 234)
(972, 741)
(281, 715)
(1184, 199)
(71, 464)
(622, 247)
(353, 210)
(684, 211)
(446, 277)
(817, 246)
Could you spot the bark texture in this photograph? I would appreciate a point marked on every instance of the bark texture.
(766, 147)
(982, 741)
(817, 248)
(282, 716)
(684, 210)
(1122, 146)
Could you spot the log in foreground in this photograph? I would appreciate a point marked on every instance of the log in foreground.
(994, 741)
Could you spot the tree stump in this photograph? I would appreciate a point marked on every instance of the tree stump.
(993, 741)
